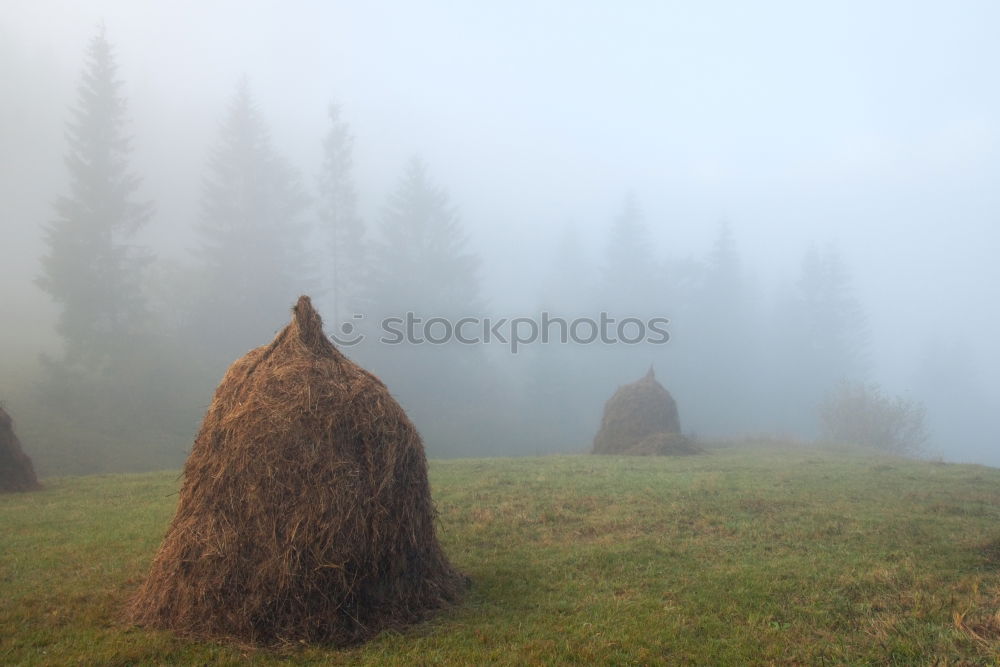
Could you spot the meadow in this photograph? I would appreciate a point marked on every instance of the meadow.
(753, 553)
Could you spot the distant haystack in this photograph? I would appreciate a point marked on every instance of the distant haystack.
(16, 471)
(641, 418)
(305, 512)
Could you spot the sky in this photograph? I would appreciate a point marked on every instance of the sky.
(872, 126)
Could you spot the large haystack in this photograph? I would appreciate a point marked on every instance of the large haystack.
(16, 471)
(305, 512)
(641, 418)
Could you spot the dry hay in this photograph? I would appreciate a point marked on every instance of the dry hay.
(305, 512)
(16, 471)
(641, 418)
(663, 444)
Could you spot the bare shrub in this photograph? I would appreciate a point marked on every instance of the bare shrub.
(862, 414)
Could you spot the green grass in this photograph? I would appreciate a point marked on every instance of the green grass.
(747, 555)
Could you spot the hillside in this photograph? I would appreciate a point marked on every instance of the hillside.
(748, 554)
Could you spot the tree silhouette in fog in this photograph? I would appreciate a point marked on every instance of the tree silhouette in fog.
(630, 271)
(823, 336)
(251, 236)
(422, 263)
(110, 402)
(345, 264)
(91, 268)
(834, 327)
(558, 388)
(718, 336)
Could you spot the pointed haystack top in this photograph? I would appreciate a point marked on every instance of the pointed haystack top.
(650, 374)
(307, 325)
(305, 512)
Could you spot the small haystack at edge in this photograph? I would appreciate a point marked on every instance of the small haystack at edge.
(16, 471)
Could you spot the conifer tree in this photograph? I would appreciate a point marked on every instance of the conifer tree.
(422, 263)
(346, 261)
(630, 267)
(91, 268)
(252, 236)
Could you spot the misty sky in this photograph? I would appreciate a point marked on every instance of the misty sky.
(875, 126)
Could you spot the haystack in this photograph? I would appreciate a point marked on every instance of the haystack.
(641, 418)
(16, 471)
(305, 511)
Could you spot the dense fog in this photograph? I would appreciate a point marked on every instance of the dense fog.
(807, 194)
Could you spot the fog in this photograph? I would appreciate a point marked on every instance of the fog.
(697, 162)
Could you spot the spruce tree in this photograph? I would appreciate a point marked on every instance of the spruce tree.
(104, 410)
(832, 324)
(630, 268)
(90, 268)
(717, 341)
(252, 236)
(632, 289)
(822, 339)
(568, 284)
(346, 262)
(422, 263)
(557, 388)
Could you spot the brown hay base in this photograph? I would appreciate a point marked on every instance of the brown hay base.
(664, 444)
(305, 512)
(16, 471)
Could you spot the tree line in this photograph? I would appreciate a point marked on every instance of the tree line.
(145, 342)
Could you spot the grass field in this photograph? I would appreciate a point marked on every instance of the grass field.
(751, 554)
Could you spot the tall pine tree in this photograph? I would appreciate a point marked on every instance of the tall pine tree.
(715, 343)
(346, 261)
(632, 289)
(832, 323)
(559, 403)
(104, 411)
(91, 268)
(567, 287)
(252, 251)
(629, 269)
(822, 340)
(422, 263)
